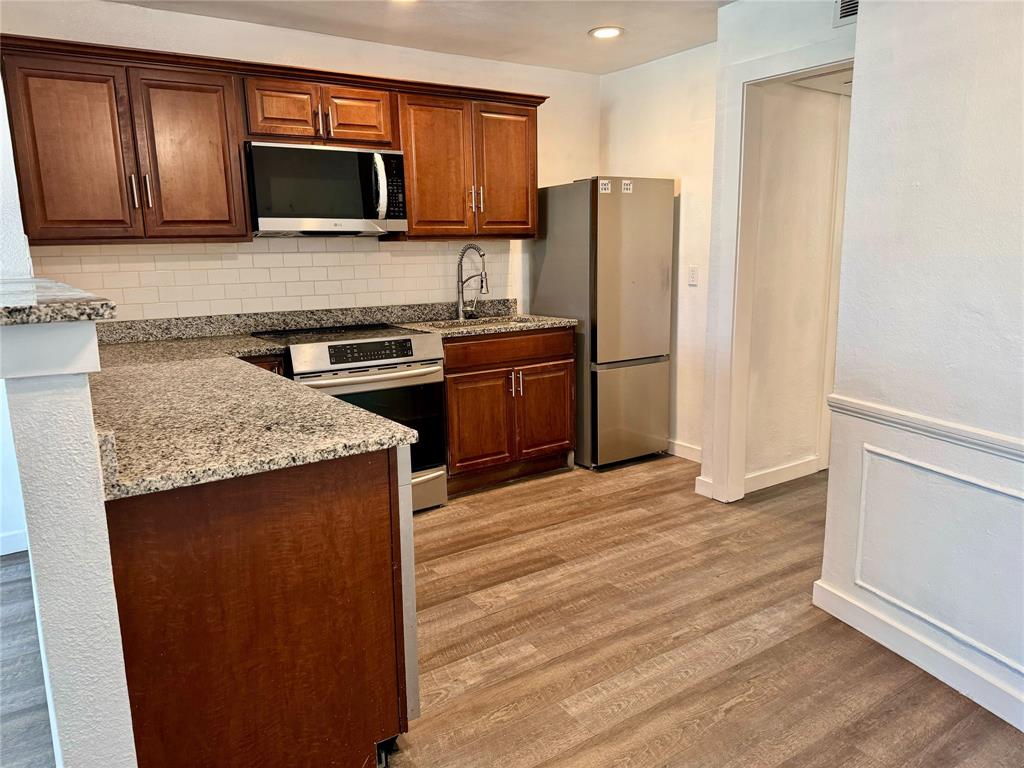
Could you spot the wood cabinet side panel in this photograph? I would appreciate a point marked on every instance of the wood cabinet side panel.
(258, 615)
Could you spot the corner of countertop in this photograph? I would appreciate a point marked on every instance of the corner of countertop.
(34, 300)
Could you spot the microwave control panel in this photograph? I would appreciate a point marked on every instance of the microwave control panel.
(396, 186)
(369, 351)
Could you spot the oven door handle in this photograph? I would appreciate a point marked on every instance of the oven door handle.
(390, 376)
(427, 478)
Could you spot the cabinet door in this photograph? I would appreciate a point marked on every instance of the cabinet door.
(481, 420)
(186, 128)
(438, 145)
(357, 115)
(505, 147)
(283, 107)
(545, 409)
(74, 151)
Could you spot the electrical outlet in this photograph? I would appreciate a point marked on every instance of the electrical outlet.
(693, 275)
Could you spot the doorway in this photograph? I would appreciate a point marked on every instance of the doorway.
(796, 132)
(772, 370)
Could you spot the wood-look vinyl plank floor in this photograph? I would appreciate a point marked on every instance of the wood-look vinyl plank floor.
(618, 620)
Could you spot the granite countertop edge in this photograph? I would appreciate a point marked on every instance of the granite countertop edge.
(127, 408)
(37, 300)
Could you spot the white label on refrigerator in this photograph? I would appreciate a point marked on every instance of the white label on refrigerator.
(627, 186)
(604, 186)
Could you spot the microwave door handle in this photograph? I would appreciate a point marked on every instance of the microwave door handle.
(382, 185)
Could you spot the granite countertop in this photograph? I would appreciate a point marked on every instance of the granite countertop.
(179, 412)
(38, 300)
(486, 325)
(195, 420)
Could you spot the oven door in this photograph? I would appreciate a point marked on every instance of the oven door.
(412, 395)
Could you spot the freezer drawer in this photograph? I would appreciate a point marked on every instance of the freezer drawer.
(631, 410)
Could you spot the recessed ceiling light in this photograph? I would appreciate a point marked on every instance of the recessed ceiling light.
(605, 32)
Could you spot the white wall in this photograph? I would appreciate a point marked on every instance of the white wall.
(658, 119)
(794, 149)
(924, 547)
(567, 124)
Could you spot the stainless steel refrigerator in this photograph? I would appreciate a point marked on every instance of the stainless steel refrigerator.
(604, 257)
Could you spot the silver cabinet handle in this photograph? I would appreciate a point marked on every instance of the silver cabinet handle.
(512, 383)
(135, 190)
(520, 383)
(481, 198)
(149, 190)
(472, 199)
(330, 119)
(318, 121)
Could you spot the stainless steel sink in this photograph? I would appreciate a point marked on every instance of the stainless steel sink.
(480, 322)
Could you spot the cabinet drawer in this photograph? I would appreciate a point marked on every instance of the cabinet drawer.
(505, 349)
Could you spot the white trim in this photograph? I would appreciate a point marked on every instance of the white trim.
(948, 666)
(996, 443)
(703, 487)
(755, 481)
(728, 353)
(13, 541)
(684, 450)
(872, 450)
(48, 349)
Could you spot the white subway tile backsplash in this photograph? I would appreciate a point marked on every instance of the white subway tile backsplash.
(208, 292)
(286, 303)
(284, 274)
(299, 289)
(156, 280)
(120, 279)
(271, 289)
(175, 293)
(141, 296)
(240, 291)
(226, 306)
(257, 305)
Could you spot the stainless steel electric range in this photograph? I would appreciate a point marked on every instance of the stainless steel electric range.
(395, 372)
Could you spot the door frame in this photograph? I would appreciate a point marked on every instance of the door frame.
(730, 296)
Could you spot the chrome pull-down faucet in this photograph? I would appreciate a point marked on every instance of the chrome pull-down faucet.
(460, 286)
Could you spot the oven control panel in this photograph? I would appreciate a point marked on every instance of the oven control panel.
(369, 351)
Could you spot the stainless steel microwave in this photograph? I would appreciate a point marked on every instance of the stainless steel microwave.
(307, 189)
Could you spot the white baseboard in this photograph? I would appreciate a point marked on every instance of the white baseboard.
(684, 450)
(13, 541)
(755, 481)
(703, 487)
(956, 671)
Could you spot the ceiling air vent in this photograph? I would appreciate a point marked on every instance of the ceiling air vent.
(845, 12)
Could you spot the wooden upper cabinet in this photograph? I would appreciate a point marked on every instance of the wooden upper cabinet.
(505, 148)
(71, 126)
(189, 153)
(437, 140)
(283, 107)
(545, 409)
(358, 115)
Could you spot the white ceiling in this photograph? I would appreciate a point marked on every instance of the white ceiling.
(548, 33)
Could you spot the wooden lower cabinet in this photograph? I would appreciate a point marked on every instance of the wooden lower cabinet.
(545, 408)
(512, 417)
(481, 419)
(261, 616)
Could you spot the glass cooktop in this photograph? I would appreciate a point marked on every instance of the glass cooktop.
(337, 333)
